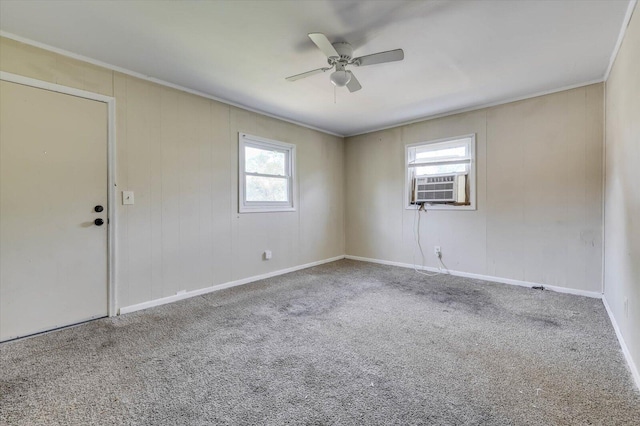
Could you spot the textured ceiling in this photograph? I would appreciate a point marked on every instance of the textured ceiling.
(458, 54)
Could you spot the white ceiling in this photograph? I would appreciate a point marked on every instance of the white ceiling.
(458, 54)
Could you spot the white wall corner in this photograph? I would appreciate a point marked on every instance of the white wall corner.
(625, 349)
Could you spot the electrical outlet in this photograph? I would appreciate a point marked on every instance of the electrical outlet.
(437, 251)
(267, 255)
(626, 307)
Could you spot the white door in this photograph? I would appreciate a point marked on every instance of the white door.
(53, 175)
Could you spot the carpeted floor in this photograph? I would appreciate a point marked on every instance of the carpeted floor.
(346, 343)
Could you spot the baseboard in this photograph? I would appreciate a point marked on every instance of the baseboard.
(593, 294)
(625, 349)
(194, 293)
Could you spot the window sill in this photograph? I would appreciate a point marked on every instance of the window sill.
(266, 209)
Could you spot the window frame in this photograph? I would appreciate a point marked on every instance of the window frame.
(471, 176)
(289, 150)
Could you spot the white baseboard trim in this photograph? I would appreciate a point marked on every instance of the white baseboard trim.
(593, 294)
(193, 293)
(625, 349)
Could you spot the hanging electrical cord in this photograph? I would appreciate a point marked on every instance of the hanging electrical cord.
(442, 265)
(419, 244)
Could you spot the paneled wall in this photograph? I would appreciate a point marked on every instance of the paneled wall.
(622, 189)
(178, 153)
(539, 190)
(539, 193)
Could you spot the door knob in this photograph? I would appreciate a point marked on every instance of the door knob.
(98, 222)
(98, 209)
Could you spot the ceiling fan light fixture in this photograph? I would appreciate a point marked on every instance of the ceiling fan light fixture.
(340, 78)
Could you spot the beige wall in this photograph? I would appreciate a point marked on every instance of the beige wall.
(539, 193)
(622, 189)
(178, 152)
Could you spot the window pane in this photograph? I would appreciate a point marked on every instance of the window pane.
(459, 151)
(260, 188)
(442, 169)
(264, 161)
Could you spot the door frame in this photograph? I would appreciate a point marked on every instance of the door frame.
(111, 176)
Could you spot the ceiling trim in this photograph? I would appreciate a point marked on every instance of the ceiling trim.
(623, 31)
(154, 80)
(476, 107)
(482, 106)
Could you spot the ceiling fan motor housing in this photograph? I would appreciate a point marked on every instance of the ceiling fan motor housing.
(344, 50)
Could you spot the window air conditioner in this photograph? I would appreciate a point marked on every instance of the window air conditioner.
(451, 188)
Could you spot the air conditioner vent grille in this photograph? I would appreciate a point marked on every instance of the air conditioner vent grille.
(435, 186)
(440, 189)
(446, 178)
(436, 195)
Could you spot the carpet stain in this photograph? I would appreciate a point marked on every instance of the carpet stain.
(311, 303)
(6, 389)
(541, 321)
(470, 299)
(260, 389)
(301, 308)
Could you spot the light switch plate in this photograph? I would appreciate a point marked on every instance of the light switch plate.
(127, 197)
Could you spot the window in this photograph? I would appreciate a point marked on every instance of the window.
(266, 174)
(441, 174)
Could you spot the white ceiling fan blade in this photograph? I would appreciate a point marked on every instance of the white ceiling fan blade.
(379, 58)
(307, 74)
(353, 85)
(324, 44)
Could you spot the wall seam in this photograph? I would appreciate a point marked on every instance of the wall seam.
(486, 189)
(604, 184)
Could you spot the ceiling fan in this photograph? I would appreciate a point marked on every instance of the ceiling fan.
(339, 55)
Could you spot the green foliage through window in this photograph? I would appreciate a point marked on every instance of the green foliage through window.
(265, 162)
(265, 174)
(261, 188)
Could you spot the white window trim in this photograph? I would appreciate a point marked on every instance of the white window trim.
(472, 176)
(245, 206)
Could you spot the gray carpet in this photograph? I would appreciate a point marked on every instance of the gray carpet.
(346, 343)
